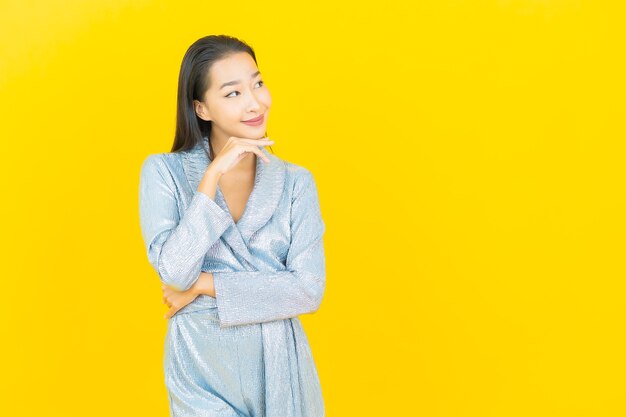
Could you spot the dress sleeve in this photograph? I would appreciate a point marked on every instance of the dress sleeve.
(245, 297)
(176, 246)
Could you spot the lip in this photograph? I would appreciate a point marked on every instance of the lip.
(256, 121)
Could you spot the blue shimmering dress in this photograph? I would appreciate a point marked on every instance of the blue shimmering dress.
(244, 352)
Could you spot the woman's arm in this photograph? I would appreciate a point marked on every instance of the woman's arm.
(245, 297)
(176, 246)
(204, 285)
(176, 299)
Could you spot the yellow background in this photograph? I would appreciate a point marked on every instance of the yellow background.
(469, 157)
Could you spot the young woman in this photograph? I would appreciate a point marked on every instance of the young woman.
(235, 235)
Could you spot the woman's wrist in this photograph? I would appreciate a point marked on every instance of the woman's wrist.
(204, 285)
(209, 181)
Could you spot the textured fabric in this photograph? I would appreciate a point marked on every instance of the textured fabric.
(244, 352)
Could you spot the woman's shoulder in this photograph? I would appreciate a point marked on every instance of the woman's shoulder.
(298, 176)
(161, 158)
(163, 165)
(295, 171)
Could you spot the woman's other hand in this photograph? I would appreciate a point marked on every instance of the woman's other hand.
(176, 300)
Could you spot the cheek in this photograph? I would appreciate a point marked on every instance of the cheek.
(229, 113)
(222, 111)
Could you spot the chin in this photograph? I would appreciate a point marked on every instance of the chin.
(259, 135)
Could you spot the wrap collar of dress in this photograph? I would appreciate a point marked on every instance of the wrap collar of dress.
(268, 187)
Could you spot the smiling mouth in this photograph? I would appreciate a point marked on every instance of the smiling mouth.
(256, 119)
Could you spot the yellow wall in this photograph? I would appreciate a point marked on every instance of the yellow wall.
(470, 163)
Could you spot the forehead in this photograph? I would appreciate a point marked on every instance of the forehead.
(236, 66)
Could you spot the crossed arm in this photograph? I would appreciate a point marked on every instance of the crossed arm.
(176, 249)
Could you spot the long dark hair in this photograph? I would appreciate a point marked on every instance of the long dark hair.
(193, 82)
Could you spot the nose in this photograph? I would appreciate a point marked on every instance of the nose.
(253, 104)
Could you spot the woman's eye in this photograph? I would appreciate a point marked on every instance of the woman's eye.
(230, 95)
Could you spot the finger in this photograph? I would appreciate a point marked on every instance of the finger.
(167, 302)
(265, 140)
(171, 312)
(256, 142)
(259, 152)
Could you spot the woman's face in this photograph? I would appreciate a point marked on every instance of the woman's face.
(237, 93)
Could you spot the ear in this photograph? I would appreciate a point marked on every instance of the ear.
(201, 110)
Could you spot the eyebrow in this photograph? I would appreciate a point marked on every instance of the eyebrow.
(238, 81)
